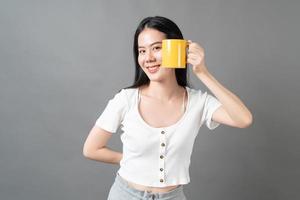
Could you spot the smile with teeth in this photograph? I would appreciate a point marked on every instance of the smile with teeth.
(153, 69)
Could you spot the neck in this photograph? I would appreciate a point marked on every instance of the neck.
(163, 91)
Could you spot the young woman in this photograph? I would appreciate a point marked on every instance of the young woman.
(160, 116)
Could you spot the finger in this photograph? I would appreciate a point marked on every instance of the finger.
(196, 52)
(191, 61)
(197, 47)
(193, 56)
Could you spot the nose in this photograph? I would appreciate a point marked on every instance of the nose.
(149, 57)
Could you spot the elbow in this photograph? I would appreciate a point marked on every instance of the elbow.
(87, 153)
(247, 122)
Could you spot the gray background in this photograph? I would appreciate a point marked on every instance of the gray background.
(61, 61)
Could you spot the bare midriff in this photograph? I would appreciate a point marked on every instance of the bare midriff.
(151, 189)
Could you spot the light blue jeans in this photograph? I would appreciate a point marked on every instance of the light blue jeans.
(120, 190)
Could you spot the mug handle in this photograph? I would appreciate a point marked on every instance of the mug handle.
(188, 42)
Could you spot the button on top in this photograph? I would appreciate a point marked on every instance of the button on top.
(161, 156)
(162, 132)
(161, 169)
(161, 180)
(163, 144)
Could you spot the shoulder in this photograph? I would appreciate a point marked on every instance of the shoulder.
(196, 93)
(123, 96)
(128, 93)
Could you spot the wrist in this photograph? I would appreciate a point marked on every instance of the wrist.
(203, 74)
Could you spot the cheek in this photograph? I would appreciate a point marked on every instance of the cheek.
(158, 55)
(140, 60)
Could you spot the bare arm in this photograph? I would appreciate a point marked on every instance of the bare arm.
(233, 111)
(95, 147)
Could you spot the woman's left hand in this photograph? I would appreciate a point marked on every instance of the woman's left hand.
(195, 57)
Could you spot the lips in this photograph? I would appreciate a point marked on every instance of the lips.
(153, 69)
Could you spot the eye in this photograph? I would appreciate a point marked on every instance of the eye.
(156, 48)
(141, 51)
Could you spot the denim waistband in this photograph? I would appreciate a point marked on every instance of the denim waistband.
(124, 184)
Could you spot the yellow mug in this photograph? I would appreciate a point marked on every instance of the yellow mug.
(174, 53)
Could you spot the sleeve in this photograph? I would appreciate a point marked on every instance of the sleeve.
(211, 104)
(114, 112)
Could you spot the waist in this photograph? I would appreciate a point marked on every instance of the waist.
(150, 189)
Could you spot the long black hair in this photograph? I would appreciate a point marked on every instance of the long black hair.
(171, 30)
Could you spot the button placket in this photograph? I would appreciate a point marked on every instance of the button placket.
(162, 150)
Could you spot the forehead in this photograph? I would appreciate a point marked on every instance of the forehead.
(149, 36)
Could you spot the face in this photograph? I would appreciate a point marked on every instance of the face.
(149, 54)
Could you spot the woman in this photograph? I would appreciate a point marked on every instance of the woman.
(160, 117)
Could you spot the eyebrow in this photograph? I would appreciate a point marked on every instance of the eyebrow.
(151, 44)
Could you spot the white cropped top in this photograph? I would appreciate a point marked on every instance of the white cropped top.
(157, 157)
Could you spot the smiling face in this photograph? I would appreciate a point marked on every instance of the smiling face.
(149, 54)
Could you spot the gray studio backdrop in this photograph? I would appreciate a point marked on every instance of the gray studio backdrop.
(61, 61)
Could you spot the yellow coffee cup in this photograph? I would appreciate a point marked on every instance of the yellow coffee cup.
(174, 53)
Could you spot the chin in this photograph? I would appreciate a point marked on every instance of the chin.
(156, 78)
(152, 78)
(159, 76)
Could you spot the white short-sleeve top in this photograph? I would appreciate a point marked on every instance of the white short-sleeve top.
(157, 157)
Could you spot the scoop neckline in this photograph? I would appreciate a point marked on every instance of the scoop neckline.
(165, 127)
